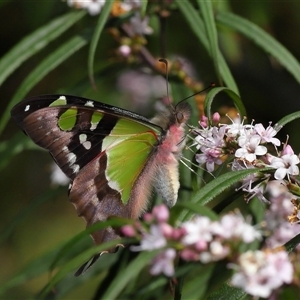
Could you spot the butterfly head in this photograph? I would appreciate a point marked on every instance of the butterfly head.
(182, 112)
(173, 115)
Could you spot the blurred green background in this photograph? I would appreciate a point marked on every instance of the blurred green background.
(268, 91)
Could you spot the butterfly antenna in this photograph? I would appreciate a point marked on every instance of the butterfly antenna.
(167, 76)
(210, 86)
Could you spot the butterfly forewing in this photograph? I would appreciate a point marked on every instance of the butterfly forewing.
(73, 129)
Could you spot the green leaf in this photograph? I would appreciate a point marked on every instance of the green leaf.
(196, 280)
(211, 32)
(47, 65)
(197, 25)
(131, 271)
(115, 222)
(144, 5)
(235, 98)
(96, 36)
(36, 41)
(214, 188)
(289, 118)
(293, 243)
(262, 39)
(74, 263)
(198, 209)
(33, 269)
(227, 292)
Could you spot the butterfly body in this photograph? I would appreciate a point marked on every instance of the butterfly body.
(113, 157)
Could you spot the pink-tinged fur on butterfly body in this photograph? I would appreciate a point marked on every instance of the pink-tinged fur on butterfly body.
(160, 171)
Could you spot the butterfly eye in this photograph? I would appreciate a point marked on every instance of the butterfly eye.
(179, 117)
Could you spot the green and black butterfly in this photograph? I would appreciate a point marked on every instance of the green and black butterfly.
(113, 157)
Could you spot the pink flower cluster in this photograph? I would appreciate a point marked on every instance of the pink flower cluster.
(203, 240)
(259, 273)
(249, 147)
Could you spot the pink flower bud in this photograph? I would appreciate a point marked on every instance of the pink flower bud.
(161, 213)
(128, 230)
(216, 117)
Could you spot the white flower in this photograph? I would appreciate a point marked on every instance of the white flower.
(259, 273)
(164, 263)
(128, 5)
(210, 157)
(257, 191)
(152, 240)
(198, 229)
(267, 135)
(217, 251)
(237, 128)
(92, 6)
(140, 26)
(233, 226)
(250, 147)
(210, 141)
(285, 165)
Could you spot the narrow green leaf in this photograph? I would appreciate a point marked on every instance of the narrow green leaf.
(144, 5)
(194, 20)
(293, 243)
(74, 263)
(198, 209)
(227, 292)
(211, 32)
(262, 39)
(96, 36)
(214, 188)
(235, 98)
(150, 287)
(33, 269)
(115, 222)
(35, 42)
(289, 118)
(47, 65)
(130, 272)
(197, 25)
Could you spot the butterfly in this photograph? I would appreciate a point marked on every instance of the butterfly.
(113, 157)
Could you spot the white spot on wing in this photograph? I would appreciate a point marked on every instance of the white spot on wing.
(62, 98)
(89, 103)
(75, 168)
(83, 141)
(27, 107)
(71, 158)
(82, 138)
(65, 149)
(87, 145)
